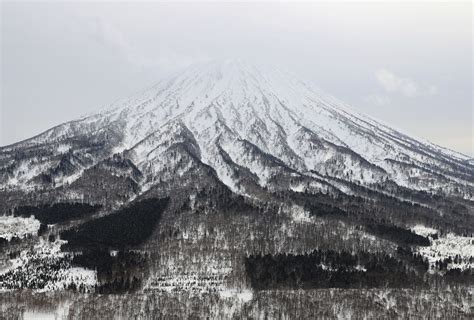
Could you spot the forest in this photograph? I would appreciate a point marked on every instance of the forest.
(106, 245)
(127, 227)
(331, 269)
(58, 212)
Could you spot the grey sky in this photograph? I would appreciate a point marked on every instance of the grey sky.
(409, 65)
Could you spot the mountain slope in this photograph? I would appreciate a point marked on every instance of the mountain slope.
(231, 191)
(265, 121)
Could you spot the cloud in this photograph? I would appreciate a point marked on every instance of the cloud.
(378, 100)
(109, 35)
(404, 86)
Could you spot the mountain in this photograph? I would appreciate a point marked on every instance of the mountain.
(233, 111)
(236, 153)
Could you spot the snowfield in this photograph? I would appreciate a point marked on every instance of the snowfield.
(459, 249)
(18, 227)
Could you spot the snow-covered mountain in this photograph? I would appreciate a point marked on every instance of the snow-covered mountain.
(255, 127)
(234, 191)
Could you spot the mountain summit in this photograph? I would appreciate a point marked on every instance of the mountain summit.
(252, 126)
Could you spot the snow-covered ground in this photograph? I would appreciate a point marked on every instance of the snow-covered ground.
(243, 295)
(19, 227)
(40, 264)
(299, 214)
(60, 312)
(424, 231)
(446, 246)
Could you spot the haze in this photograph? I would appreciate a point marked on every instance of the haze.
(409, 65)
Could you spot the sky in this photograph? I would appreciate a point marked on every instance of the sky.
(407, 64)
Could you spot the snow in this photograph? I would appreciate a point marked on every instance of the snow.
(242, 295)
(445, 246)
(246, 155)
(19, 227)
(37, 315)
(298, 188)
(76, 275)
(61, 312)
(254, 113)
(299, 214)
(24, 171)
(450, 245)
(63, 148)
(423, 231)
(45, 252)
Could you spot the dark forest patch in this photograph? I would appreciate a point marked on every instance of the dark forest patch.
(324, 209)
(129, 226)
(397, 234)
(125, 269)
(58, 212)
(119, 273)
(329, 269)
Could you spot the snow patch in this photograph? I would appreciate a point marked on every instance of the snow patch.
(39, 258)
(299, 214)
(460, 249)
(18, 227)
(423, 231)
(242, 295)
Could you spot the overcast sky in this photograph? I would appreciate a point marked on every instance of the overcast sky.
(409, 65)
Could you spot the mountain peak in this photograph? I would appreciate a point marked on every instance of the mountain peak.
(260, 119)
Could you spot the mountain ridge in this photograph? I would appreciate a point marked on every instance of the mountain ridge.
(277, 113)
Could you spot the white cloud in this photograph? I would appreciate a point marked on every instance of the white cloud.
(109, 35)
(404, 86)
